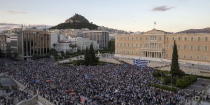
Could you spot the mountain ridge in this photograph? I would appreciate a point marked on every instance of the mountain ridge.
(203, 30)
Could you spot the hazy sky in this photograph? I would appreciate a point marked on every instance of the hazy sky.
(134, 15)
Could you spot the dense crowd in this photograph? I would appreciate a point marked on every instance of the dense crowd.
(108, 84)
(14, 97)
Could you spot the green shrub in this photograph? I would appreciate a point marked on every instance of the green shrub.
(164, 87)
(156, 74)
(78, 62)
(185, 81)
(167, 80)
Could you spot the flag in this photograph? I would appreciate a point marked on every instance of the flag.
(141, 63)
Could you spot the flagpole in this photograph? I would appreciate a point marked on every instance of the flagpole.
(155, 24)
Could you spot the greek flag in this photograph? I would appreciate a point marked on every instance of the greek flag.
(141, 63)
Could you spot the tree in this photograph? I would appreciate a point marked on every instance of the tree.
(54, 45)
(86, 57)
(175, 69)
(111, 46)
(72, 45)
(90, 57)
(1, 54)
(53, 52)
(93, 59)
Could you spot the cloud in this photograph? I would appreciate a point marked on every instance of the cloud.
(16, 12)
(162, 8)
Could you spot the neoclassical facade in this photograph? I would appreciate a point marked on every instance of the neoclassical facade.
(157, 45)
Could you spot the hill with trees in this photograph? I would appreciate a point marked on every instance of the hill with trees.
(76, 22)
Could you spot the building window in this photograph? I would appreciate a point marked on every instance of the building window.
(185, 47)
(206, 48)
(185, 38)
(206, 38)
(152, 37)
(198, 48)
(173, 38)
(179, 38)
(199, 38)
(160, 38)
(178, 46)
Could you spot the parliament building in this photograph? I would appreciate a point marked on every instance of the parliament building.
(158, 45)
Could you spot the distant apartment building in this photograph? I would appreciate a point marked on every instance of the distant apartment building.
(65, 47)
(33, 42)
(12, 44)
(83, 43)
(64, 43)
(69, 32)
(102, 37)
(61, 43)
(9, 44)
(157, 45)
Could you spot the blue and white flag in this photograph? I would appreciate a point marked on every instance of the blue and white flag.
(141, 63)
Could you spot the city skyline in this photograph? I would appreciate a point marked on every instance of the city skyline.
(135, 15)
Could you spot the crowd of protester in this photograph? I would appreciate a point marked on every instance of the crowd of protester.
(107, 84)
(14, 97)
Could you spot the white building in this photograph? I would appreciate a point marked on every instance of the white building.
(65, 47)
(70, 32)
(53, 39)
(83, 43)
(61, 42)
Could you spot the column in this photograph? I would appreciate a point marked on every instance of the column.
(150, 53)
(155, 54)
(160, 55)
(26, 40)
(33, 37)
(146, 54)
(29, 44)
(40, 44)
